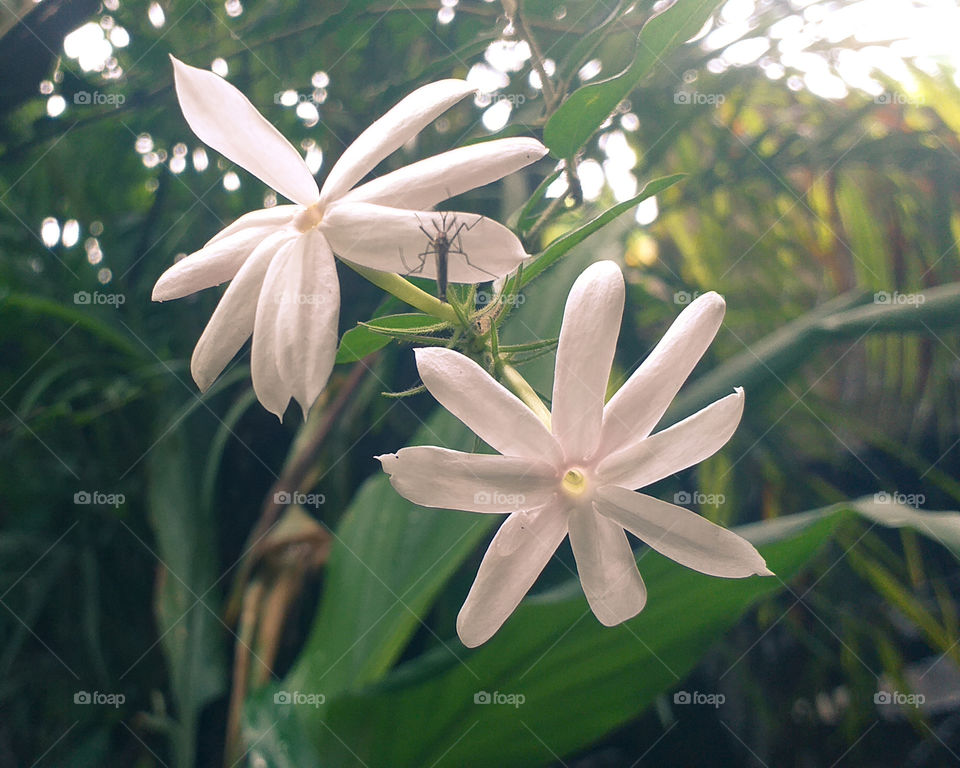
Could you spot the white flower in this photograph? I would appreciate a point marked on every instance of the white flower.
(578, 477)
(284, 288)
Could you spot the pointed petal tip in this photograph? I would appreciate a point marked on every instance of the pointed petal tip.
(470, 636)
(764, 571)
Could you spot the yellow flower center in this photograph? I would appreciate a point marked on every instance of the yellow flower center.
(574, 482)
(308, 218)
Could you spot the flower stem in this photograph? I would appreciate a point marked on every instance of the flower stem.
(408, 293)
(522, 389)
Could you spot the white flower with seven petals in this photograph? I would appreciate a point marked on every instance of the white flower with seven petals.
(284, 289)
(578, 477)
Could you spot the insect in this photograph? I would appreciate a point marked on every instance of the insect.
(442, 243)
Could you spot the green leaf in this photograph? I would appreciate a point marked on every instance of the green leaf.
(564, 243)
(578, 678)
(552, 650)
(186, 602)
(784, 350)
(389, 561)
(579, 117)
(375, 334)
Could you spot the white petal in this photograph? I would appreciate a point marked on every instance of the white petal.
(272, 391)
(588, 340)
(607, 567)
(635, 409)
(264, 218)
(391, 240)
(518, 553)
(423, 184)
(473, 482)
(681, 535)
(404, 121)
(686, 443)
(224, 119)
(495, 415)
(211, 265)
(232, 321)
(308, 311)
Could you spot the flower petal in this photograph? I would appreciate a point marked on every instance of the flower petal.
(607, 567)
(473, 482)
(686, 443)
(308, 310)
(518, 553)
(635, 409)
(272, 391)
(400, 124)
(224, 119)
(681, 535)
(494, 414)
(391, 240)
(211, 265)
(423, 184)
(232, 321)
(588, 340)
(264, 218)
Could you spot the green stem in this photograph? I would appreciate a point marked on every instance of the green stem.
(408, 292)
(522, 389)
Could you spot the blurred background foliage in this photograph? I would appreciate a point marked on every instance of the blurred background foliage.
(820, 201)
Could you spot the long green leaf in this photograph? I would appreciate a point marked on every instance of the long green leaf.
(572, 125)
(564, 243)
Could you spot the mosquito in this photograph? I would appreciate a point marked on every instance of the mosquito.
(442, 243)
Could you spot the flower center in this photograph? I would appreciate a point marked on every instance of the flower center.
(574, 482)
(308, 218)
